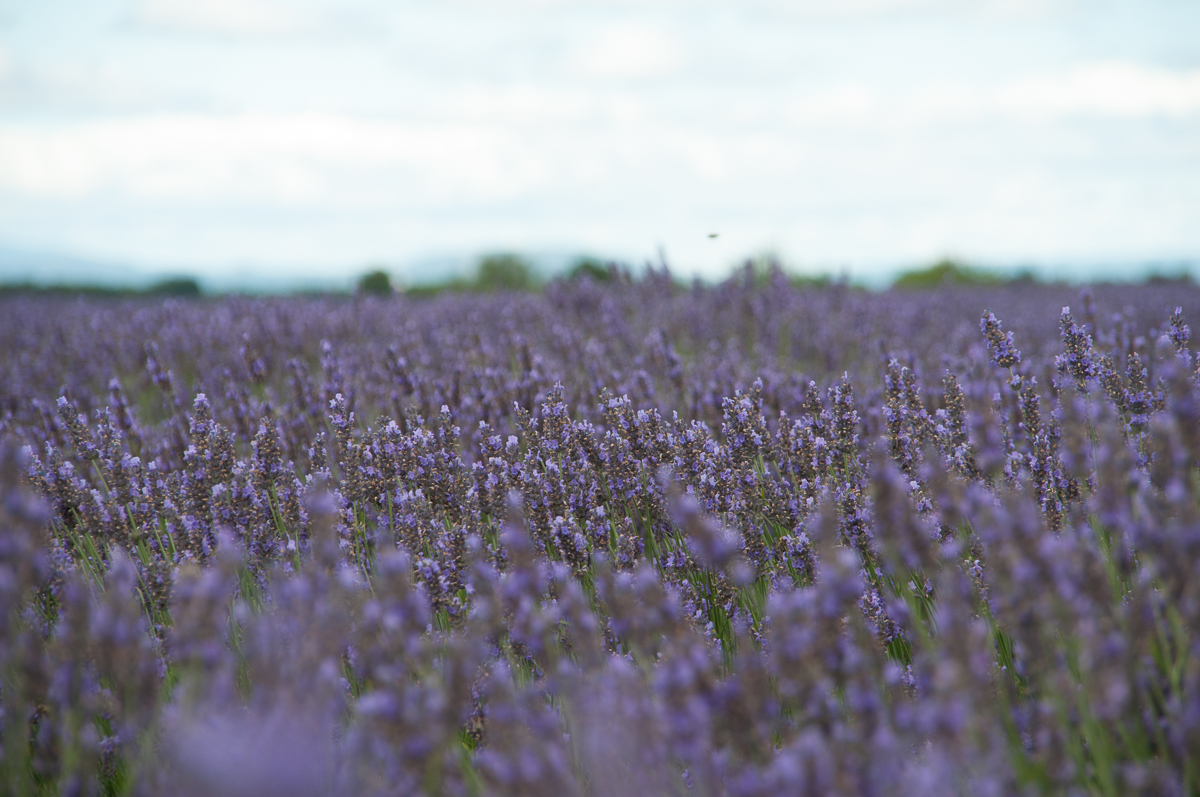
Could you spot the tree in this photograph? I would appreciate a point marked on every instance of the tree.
(376, 283)
(176, 286)
(591, 268)
(947, 272)
(504, 272)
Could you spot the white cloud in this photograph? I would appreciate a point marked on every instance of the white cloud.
(847, 104)
(480, 146)
(810, 8)
(32, 85)
(1114, 88)
(230, 17)
(1117, 90)
(819, 125)
(289, 160)
(629, 52)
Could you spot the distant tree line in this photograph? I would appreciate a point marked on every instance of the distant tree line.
(511, 272)
(493, 273)
(182, 287)
(950, 273)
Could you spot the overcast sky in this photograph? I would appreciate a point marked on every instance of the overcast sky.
(309, 138)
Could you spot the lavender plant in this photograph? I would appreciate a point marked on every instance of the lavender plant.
(628, 537)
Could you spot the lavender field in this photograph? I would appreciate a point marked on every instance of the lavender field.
(625, 537)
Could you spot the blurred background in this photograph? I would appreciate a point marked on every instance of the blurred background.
(299, 144)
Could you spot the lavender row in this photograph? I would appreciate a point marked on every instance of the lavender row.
(627, 538)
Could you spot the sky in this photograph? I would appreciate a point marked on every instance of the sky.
(244, 140)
